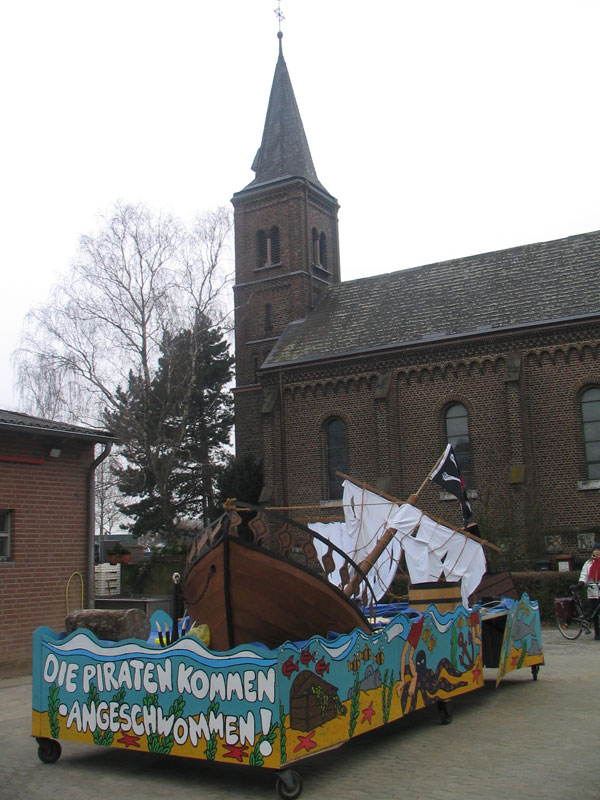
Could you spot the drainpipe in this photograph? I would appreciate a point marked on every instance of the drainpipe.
(91, 520)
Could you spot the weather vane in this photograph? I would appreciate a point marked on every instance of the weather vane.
(279, 14)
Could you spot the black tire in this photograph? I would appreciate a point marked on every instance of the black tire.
(49, 750)
(534, 671)
(289, 785)
(570, 628)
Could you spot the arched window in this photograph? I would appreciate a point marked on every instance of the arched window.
(590, 414)
(261, 248)
(336, 443)
(275, 249)
(457, 434)
(316, 259)
(268, 250)
(323, 250)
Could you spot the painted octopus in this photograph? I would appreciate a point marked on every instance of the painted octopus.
(427, 682)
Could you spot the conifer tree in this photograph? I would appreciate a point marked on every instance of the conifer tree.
(174, 430)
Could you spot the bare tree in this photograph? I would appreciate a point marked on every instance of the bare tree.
(141, 276)
(108, 514)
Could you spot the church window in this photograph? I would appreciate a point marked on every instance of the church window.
(275, 249)
(323, 250)
(590, 414)
(336, 442)
(268, 317)
(261, 248)
(457, 434)
(316, 256)
(268, 250)
(255, 368)
(319, 249)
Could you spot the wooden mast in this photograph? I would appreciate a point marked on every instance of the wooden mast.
(367, 563)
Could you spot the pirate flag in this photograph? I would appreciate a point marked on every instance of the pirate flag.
(447, 475)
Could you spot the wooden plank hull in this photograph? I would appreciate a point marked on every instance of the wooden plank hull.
(247, 594)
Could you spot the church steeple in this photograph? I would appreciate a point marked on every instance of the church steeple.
(286, 252)
(284, 150)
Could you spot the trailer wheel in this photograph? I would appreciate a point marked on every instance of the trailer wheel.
(49, 750)
(445, 712)
(289, 784)
(534, 671)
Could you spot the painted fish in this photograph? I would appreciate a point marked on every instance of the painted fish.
(306, 656)
(321, 666)
(289, 667)
(379, 657)
(366, 653)
(354, 665)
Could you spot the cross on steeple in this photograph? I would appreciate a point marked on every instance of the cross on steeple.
(279, 14)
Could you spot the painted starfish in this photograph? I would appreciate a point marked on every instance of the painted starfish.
(368, 712)
(305, 742)
(129, 740)
(237, 751)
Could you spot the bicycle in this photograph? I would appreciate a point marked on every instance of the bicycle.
(571, 617)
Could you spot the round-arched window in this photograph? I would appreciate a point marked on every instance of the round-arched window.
(336, 442)
(590, 414)
(457, 434)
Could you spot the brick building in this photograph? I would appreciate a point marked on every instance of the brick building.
(497, 353)
(46, 528)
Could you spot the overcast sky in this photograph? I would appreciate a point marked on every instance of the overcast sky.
(444, 128)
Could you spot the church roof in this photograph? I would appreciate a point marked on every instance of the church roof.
(284, 150)
(519, 287)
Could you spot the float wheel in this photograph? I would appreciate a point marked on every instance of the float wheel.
(49, 750)
(289, 784)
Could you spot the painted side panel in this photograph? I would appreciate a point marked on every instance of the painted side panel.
(256, 706)
(522, 642)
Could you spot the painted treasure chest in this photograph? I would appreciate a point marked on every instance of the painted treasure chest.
(313, 701)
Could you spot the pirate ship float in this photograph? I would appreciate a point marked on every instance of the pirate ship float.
(303, 658)
(258, 576)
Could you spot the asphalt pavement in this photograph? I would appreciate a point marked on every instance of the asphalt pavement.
(526, 740)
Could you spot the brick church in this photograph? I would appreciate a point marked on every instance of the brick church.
(498, 354)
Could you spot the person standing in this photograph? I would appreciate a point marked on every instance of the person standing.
(590, 577)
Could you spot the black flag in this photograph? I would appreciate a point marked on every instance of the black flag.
(447, 475)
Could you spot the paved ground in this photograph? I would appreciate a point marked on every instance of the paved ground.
(524, 741)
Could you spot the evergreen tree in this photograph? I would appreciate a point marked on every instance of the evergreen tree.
(240, 478)
(173, 430)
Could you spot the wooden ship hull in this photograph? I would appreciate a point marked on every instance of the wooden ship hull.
(248, 593)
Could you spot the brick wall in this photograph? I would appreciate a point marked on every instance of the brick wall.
(531, 418)
(49, 542)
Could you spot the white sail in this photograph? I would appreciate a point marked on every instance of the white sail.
(366, 520)
(431, 549)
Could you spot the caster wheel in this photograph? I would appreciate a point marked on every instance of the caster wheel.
(445, 713)
(49, 750)
(289, 784)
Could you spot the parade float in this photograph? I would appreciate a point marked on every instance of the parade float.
(286, 648)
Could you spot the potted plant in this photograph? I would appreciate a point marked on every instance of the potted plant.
(118, 554)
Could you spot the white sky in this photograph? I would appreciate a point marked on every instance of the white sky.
(443, 128)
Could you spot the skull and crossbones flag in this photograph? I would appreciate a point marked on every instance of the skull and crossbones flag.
(447, 475)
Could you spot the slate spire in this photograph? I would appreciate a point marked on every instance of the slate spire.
(284, 150)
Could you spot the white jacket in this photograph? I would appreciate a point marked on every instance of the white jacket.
(593, 589)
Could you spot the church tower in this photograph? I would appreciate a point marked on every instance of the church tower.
(286, 251)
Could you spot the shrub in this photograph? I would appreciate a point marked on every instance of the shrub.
(118, 549)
